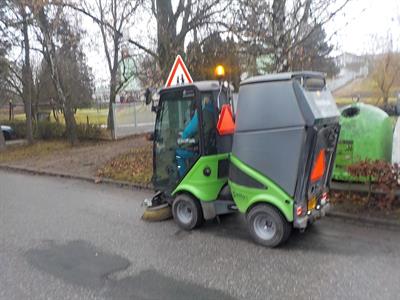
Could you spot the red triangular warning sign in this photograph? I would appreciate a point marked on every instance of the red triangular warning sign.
(225, 124)
(179, 73)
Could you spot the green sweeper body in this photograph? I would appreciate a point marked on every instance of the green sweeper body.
(271, 160)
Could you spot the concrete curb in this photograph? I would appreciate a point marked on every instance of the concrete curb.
(364, 220)
(332, 214)
(94, 180)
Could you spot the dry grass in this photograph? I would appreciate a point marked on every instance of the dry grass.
(38, 149)
(364, 87)
(135, 166)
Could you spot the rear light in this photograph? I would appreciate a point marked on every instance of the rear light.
(299, 211)
(324, 198)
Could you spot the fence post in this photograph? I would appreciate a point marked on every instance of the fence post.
(11, 114)
(113, 132)
(134, 112)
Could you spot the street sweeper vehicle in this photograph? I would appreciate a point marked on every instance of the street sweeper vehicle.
(271, 159)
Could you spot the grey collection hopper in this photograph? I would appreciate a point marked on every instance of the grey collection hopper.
(281, 121)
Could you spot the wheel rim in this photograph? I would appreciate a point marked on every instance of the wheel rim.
(264, 227)
(184, 212)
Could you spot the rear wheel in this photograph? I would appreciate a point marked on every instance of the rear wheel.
(187, 212)
(267, 226)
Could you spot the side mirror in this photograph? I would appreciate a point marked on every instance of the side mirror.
(148, 96)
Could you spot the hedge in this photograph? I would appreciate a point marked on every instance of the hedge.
(47, 130)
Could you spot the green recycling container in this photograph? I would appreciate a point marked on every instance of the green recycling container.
(366, 133)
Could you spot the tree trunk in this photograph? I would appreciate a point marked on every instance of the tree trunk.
(168, 45)
(113, 85)
(386, 101)
(27, 79)
(2, 141)
(51, 58)
(70, 125)
(113, 95)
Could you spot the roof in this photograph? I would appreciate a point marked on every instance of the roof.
(281, 76)
(206, 85)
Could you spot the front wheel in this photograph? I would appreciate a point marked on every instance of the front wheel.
(187, 212)
(267, 226)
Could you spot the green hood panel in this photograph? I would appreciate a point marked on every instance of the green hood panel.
(245, 197)
(204, 188)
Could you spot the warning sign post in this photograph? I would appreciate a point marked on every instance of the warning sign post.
(179, 73)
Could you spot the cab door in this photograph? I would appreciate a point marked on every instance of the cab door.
(176, 147)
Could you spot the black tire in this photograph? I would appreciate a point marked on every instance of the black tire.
(187, 212)
(276, 229)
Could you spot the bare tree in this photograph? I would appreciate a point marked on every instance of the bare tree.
(4, 68)
(384, 65)
(173, 28)
(192, 16)
(386, 70)
(278, 29)
(17, 17)
(27, 73)
(76, 79)
(49, 20)
(114, 17)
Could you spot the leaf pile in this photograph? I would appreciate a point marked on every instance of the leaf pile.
(135, 166)
(382, 176)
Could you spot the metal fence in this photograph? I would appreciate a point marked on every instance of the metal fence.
(132, 118)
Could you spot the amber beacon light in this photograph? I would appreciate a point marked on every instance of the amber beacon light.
(219, 71)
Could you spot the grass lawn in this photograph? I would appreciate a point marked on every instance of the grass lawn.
(97, 117)
(367, 90)
(368, 100)
(135, 166)
(37, 149)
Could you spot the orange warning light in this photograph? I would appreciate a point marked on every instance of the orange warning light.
(220, 71)
(319, 166)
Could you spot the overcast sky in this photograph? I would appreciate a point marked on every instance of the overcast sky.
(351, 31)
(363, 19)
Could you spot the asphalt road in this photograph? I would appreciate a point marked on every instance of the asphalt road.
(65, 239)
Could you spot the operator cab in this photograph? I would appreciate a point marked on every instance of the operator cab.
(185, 130)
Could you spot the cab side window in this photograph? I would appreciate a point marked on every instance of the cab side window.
(209, 123)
